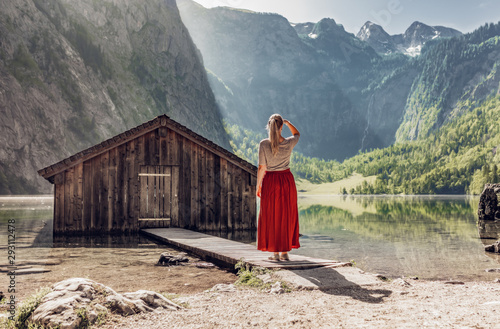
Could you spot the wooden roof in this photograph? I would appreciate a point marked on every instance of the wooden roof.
(160, 121)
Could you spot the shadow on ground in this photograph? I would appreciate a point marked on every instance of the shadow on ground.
(344, 281)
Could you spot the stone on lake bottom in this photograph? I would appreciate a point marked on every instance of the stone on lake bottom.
(167, 259)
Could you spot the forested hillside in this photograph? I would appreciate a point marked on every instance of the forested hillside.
(348, 97)
(459, 158)
(454, 73)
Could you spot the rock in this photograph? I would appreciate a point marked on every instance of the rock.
(266, 278)
(62, 307)
(488, 202)
(492, 270)
(453, 282)
(167, 259)
(276, 288)
(401, 282)
(124, 306)
(493, 247)
(2, 296)
(151, 299)
(223, 288)
(496, 280)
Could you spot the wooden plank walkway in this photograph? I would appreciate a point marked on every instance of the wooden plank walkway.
(230, 252)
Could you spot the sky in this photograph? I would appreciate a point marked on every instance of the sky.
(395, 16)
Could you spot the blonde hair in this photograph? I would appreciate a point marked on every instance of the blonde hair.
(273, 127)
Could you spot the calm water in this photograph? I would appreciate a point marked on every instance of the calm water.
(429, 237)
(432, 237)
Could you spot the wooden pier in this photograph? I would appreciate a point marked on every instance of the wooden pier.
(230, 252)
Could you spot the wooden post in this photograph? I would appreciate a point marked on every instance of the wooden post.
(120, 220)
(132, 192)
(216, 205)
(195, 205)
(59, 203)
(103, 198)
(237, 198)
(69, 200)
(112, 192)
(224, 195)
(210, 187)
(139, 161)
(96, 187)
(175, 194)
(78, 189)
(202, 164)
(185, 158)
(87, 195)
(230, 198)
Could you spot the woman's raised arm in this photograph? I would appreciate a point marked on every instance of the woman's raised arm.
(292, 127)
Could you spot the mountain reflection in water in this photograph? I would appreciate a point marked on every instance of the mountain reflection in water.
(432, 237)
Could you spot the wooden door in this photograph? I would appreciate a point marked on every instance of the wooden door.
(159, 189)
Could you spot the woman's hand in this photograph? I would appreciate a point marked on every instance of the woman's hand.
(259, 191)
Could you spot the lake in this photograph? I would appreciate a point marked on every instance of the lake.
(431, 237)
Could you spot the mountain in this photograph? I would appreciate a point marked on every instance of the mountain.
(454, 74)
(346, 92)
(259, 65)
(377, 38)
(74, 73)
(409, 43)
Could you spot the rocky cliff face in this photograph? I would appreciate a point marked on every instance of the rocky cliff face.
(377, 38)
(74, 73)
(409, 43)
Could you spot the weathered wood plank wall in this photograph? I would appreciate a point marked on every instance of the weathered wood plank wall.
(105, 194)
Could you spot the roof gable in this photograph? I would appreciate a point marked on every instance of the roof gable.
(160, 121)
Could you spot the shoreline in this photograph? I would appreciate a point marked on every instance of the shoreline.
(337, 297)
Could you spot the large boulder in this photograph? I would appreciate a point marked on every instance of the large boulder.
(488, 202)
(76, 300)
(493, 247)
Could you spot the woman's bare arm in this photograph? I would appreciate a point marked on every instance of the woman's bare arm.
(292, 127)
(260, 177)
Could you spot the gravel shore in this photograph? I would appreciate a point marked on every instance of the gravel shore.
(396, 304)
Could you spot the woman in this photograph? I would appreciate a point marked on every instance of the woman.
(278, 227)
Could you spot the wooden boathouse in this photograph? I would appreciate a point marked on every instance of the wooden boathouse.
(159, 174)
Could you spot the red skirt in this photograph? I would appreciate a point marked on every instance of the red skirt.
(278, 227)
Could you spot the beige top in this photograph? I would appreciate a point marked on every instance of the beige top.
(281, 160)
